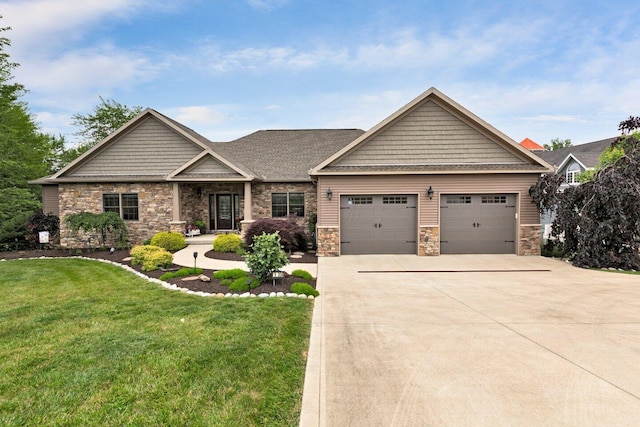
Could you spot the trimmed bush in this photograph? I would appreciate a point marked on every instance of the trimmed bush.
(304, 288)
(233, 273)
(228, 243)
(240, 284)
(226, 282)
(267, 256)
(171, 241)
(303, 274)
(292, 235)
(150, 257)
(183, 272)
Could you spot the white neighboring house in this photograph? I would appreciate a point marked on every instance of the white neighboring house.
(570, 162)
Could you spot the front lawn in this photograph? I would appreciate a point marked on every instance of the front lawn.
(87, 343)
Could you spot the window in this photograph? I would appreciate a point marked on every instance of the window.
(572, 171)
(394, 200)
(360, 200)
(455, 200)
(125, 205)
(494, 199)
(285, 204)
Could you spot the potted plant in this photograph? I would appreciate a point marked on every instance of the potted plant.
(201, 225)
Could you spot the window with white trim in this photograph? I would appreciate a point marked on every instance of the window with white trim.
(285, 204)
(124, 204)
(572, 173)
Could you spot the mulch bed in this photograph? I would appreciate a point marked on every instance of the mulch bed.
(195, 285)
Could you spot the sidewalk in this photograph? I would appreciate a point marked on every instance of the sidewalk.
(203, 244)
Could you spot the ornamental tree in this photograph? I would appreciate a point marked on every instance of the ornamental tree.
(598, 222)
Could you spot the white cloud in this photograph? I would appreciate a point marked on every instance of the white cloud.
(198, 115)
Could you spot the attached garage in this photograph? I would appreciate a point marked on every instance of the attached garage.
(478, 224)
(378, 224)
(430, 179)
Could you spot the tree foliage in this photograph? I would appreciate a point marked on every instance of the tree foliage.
(598, 222)
(267, 256)
(557, 144)
(107, 117)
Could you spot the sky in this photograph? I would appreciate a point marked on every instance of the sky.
(226, 68)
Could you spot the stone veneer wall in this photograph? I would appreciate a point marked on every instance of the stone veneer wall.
(328, 241)
(261, 198)
(429, 243)
(155, 209)
(530, 240)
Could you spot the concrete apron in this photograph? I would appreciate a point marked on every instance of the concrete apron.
(542, 344)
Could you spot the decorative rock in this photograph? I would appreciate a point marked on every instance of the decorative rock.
(291, 295)
(311, 297)
(299, 253)
(295, 256)
(219, 295)
(302, 296)
(228, 295)
(204, 278)
(245, 295)
(263, 295)
(272, 294)
(190, 278)
(280, 294)
(127, 259)
(253, 296)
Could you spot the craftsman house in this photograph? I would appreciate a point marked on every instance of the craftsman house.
(431, 178)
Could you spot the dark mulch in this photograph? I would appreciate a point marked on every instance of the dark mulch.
(196, 285)
(307, 258)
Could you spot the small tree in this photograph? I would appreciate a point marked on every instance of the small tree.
(557, 144)
(267, 256)
(102, 224)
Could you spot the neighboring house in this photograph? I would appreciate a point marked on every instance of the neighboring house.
(532, 145)
(570, 162)
(431, 178)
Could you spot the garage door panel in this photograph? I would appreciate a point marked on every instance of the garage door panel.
(477, 224)
(378, 224)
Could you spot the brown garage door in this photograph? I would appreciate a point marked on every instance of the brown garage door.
(477, 223)
(378, 224)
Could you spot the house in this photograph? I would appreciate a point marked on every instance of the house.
(571, 161)
(532, 145)
(430, 179)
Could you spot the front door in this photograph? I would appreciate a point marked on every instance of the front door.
(224, 212)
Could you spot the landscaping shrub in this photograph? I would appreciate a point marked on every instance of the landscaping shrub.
(183, 272)
(233, 273)
(40, 222)
(292, 235)
(303, 274)
(226, 282)
(304, 288)
(103, 224)
(228, 243)
(267, 256)
(171, 241)
(150, 257)
(240, 284)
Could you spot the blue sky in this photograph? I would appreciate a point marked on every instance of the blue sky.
(537, 69)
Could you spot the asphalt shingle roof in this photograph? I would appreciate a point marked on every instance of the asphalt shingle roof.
(587, 154)
(284, 155)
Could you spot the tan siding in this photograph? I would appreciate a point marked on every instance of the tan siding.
(150, 148)
(429, 135)
(208, 166)
(50, 201)
(328, 215)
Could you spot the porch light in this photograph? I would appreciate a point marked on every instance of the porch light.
(199, 191)
(430, 193)
(329, 193)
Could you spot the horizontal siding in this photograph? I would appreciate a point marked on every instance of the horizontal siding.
(50, 200)
(328, 215)
(150, 148)
(429, 135)
(208, 166)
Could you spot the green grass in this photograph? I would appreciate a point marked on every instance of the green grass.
(86, 343)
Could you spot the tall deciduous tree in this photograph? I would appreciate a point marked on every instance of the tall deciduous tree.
(598, 222)
(107, 117)
(557, 143)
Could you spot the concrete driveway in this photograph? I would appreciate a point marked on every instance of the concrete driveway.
(457, 340)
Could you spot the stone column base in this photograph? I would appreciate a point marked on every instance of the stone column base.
(328, 241)
(530, 240)
(178, 226)
(429, 243)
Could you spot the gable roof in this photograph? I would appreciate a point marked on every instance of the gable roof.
(431, 134)
(587, 154)
(531, 145)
